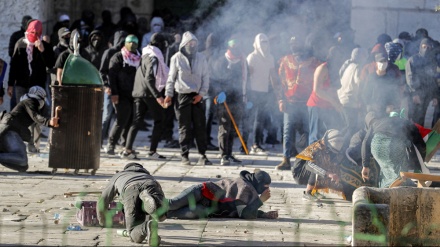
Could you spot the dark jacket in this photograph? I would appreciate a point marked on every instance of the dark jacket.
(13, 40)
(381, 91)
(395, 127)
(421, 75)
(19, 74)
(94, 54)
(120, 181)
(145, 79)
(119, 39)
(24, 114)
(121, 76)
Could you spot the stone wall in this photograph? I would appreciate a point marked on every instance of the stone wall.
(373, 17)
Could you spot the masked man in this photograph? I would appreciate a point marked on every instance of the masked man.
(14, 128)
(189, 77)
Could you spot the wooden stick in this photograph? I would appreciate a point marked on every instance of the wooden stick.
(72, 193)
(236, 128)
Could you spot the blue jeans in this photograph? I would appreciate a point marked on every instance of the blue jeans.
(256, 117)
(295, 120)
(321, 120)
(107, 115)
(184, 205)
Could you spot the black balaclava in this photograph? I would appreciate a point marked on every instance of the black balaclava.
(64, 41)
(96, 39)
(106, 17)
(257, 179)
(160, 41)
(424, 51)
(24, 21)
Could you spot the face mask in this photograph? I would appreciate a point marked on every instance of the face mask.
(96, 43)
(131, 46)
(190, 49)
(382, 66)
(32, 37)
(157, 29)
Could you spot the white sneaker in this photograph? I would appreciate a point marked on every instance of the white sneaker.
(156, 156)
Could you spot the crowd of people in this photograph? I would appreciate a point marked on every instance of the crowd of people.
(334, 110)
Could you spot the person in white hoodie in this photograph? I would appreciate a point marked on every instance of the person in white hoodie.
(189, 77)
(349, 93)
(156, 26)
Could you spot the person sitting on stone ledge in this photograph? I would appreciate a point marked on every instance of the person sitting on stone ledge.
(142, 197)
(226, 198)
(14, 128)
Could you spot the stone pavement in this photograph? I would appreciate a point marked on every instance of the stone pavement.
(30, 200)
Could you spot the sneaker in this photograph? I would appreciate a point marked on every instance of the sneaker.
(225, 161)
(203, 161)
(110, 150)
(234, 160)
(148, 204)
(211, 147)
(155, 156)
(32, 149)
(172, 144)
(153, 238)
(128, 156)
(257, 150)
(309, 197)
(319, 195)
(185, 161)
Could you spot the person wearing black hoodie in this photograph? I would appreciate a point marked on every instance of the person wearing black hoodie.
(109, 112)
(421, 72)
(142, 197)
(14, 128)
(94, 51)
(121, 74)
(148, 93)
(229, 198)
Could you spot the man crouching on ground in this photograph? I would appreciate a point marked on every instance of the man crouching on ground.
(141, 196)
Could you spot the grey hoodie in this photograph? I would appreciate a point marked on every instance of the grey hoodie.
(188, 78)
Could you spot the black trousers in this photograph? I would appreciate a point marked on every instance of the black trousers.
(226, 129)
(140, 107)
(124, 117)
(135, 218)
(192, 123)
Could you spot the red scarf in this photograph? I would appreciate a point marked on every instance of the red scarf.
(131, 58)
(233, 59)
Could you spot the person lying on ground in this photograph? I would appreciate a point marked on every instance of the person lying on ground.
(142, 197)
(226, 198)
(14, 128)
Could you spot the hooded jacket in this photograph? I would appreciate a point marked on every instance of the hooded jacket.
(132, 173)
(118, 41)
(260, 63)
(186, 77)
(19, 74)
(121, 76)
(94, 54)
(421, 74)
(350, 79)
(147, 37)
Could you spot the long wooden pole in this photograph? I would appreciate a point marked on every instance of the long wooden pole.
(236, 128)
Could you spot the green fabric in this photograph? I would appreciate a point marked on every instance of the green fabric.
(131, 38)
(401, 63)
(390, 154)
(433, 140)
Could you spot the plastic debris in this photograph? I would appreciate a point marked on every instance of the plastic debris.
(74, 228)
(56, 218)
